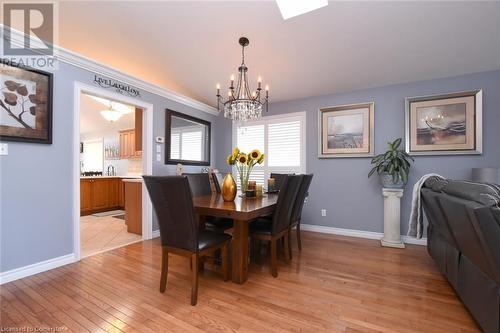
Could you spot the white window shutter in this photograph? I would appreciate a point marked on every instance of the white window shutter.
(281, 138)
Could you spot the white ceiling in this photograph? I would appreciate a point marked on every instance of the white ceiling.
(91, 121)
(189, 46)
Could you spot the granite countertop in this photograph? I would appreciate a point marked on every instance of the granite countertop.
(99, 177)
(132, 180)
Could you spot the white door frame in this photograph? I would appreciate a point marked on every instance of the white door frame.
(147, 157)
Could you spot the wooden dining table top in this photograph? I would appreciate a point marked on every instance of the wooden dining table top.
(239, 209)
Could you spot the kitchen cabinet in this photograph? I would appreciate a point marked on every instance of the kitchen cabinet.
(133, 205)
(128, 145)
(100, 195)
(121, 194)
(85, 198)
(138, 130)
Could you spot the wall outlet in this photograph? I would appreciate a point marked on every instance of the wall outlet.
(4, 148)
(323, 212)
(158, 157)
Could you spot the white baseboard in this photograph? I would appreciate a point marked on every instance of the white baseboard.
(156, 233)
(358, 233)
(39, 267)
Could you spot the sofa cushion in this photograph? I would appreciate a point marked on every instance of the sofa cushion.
(485, 194)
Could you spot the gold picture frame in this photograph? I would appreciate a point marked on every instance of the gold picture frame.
(447, 124)
(346, 131)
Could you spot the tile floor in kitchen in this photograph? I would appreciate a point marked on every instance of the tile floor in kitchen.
(98, 234)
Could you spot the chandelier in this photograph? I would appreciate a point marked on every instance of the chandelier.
(243, 105)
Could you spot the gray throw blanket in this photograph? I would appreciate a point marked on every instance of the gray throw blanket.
(416, 224)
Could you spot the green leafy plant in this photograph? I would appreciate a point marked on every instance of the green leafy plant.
(394, 161)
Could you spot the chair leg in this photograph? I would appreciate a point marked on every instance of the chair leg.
(194, 279)
(225, 261)
(299, 242)
(164, 270)
(274, 258)
(286, 246)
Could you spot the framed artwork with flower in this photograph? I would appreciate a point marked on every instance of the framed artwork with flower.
(25, 104)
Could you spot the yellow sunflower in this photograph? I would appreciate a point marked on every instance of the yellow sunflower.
(230, 160)
(242, 158)
(236, 151)
(255, 154)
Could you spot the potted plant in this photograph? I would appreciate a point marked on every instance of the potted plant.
(393, 166)
(244, 164)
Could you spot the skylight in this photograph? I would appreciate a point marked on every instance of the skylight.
(292, 8)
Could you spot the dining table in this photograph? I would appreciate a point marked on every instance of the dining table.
(242, 211)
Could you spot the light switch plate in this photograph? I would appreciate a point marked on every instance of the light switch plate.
(4, 148)
(158, 148)
(158, 157)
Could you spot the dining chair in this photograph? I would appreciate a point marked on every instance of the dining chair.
(278, 227)
(297, 209)
(217, 180)
(179, 233)
(200, 185)
(278, 179)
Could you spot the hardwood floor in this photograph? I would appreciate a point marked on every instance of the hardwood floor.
(336, 284)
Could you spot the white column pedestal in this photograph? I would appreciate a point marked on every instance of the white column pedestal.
(392, 218)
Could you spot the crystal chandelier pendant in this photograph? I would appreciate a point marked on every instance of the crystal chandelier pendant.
(242, 105)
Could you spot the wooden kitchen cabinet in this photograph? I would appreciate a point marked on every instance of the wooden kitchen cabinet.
(133, 206)
(85, 196)
(128, 145)
(121, 193)
(100, 195)
(113, 192)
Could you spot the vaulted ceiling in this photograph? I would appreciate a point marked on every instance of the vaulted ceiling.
(189, 46)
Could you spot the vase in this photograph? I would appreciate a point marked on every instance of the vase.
(244, 176)
(388, 182)
(229, 188)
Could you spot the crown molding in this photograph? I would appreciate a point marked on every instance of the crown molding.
(80, 61)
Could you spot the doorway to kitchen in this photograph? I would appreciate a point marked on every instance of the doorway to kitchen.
(113, 133)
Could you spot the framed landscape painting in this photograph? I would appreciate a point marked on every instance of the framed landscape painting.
(25, 104)
(449, 124)
(346, 131)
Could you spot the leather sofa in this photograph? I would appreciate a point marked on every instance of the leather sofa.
(463, 238)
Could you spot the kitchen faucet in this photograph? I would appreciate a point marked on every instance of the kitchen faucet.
(112, 170)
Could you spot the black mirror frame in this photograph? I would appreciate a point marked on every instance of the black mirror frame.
(168, 132)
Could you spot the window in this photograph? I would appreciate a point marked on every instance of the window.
(186, 144)
(280, 138)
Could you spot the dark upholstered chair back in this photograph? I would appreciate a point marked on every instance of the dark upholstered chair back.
(217, 180)
(173, 204)
(301, 197)
(199, 183)
(278, 179)
(286, 199)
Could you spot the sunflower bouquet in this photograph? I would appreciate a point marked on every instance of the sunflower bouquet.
(244, 164)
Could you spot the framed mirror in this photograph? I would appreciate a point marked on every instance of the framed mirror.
(188, 139)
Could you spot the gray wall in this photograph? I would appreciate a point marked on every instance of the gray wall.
(36, 191)
(341, 185)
